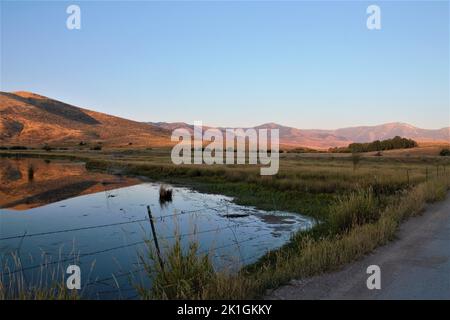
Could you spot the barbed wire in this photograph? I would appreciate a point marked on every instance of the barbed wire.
(134, 271)
(105, 280)
(29, 235)
(83, 255)
(72, 230)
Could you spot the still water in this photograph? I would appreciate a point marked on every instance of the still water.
(59, 213)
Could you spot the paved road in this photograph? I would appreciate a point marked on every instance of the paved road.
(416, 266)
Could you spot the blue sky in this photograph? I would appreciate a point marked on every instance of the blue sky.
(240, 63)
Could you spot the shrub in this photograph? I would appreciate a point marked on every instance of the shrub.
(46, 147)
(165, 194)
(186, 274)
(30, 172)
(357, 208)
(18, 148)
(356, 158)
(445, 152)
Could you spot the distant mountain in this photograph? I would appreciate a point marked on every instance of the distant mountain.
(324, 139)
(30, 119)
(390, 130)
(316, 139)
(289, 137)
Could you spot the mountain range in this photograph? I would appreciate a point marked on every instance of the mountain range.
(30, 119)
(324, 139)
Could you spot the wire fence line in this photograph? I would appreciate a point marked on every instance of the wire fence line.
(93, 253)
(83, 255)
(160, 218)
(72, 230)
(135, 271)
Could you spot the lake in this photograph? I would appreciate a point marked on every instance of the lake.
(57, 213)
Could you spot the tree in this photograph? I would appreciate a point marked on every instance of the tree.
(356, 158)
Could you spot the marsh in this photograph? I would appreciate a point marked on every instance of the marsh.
(99, 221)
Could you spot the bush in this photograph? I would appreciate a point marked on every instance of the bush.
(357, 208)
(165, 194)
(186, 274)
(18, 148)
(30, 173)
(356, 158)
(46, 147)
(96, 148)
(445, 152)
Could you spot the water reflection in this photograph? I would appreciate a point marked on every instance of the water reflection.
(31, 183)
(70, 214)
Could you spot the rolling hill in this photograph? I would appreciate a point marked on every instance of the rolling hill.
(29, 119)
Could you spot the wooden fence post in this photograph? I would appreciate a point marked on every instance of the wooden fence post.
(155, 238)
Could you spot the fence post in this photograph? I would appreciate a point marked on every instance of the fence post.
(407, 175)
(426, 174)
(155, 238)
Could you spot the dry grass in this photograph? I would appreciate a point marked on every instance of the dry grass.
(47, 283)
(165, 194)
(361, 228)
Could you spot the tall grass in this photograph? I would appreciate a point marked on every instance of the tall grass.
(184, 275)
(47, 283)
(357, 208)
(360, 226)
(187, 274)
(165, 194)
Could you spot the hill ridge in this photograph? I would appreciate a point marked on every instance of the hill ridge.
(32, 119)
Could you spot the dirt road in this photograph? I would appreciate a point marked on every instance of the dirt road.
(415, 266)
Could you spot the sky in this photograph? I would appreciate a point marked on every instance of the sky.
(235, 63)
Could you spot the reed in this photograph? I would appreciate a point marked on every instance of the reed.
(165, 194)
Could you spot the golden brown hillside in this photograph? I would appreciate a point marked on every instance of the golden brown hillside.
(31, 120)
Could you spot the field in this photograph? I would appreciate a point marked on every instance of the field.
(358, 201)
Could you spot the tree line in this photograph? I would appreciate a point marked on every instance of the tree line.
(377, 145)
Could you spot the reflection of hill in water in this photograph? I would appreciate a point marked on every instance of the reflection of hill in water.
(52, 181)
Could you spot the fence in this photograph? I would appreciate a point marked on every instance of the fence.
(154, 240)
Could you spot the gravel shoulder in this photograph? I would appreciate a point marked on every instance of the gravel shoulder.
(414, 266)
